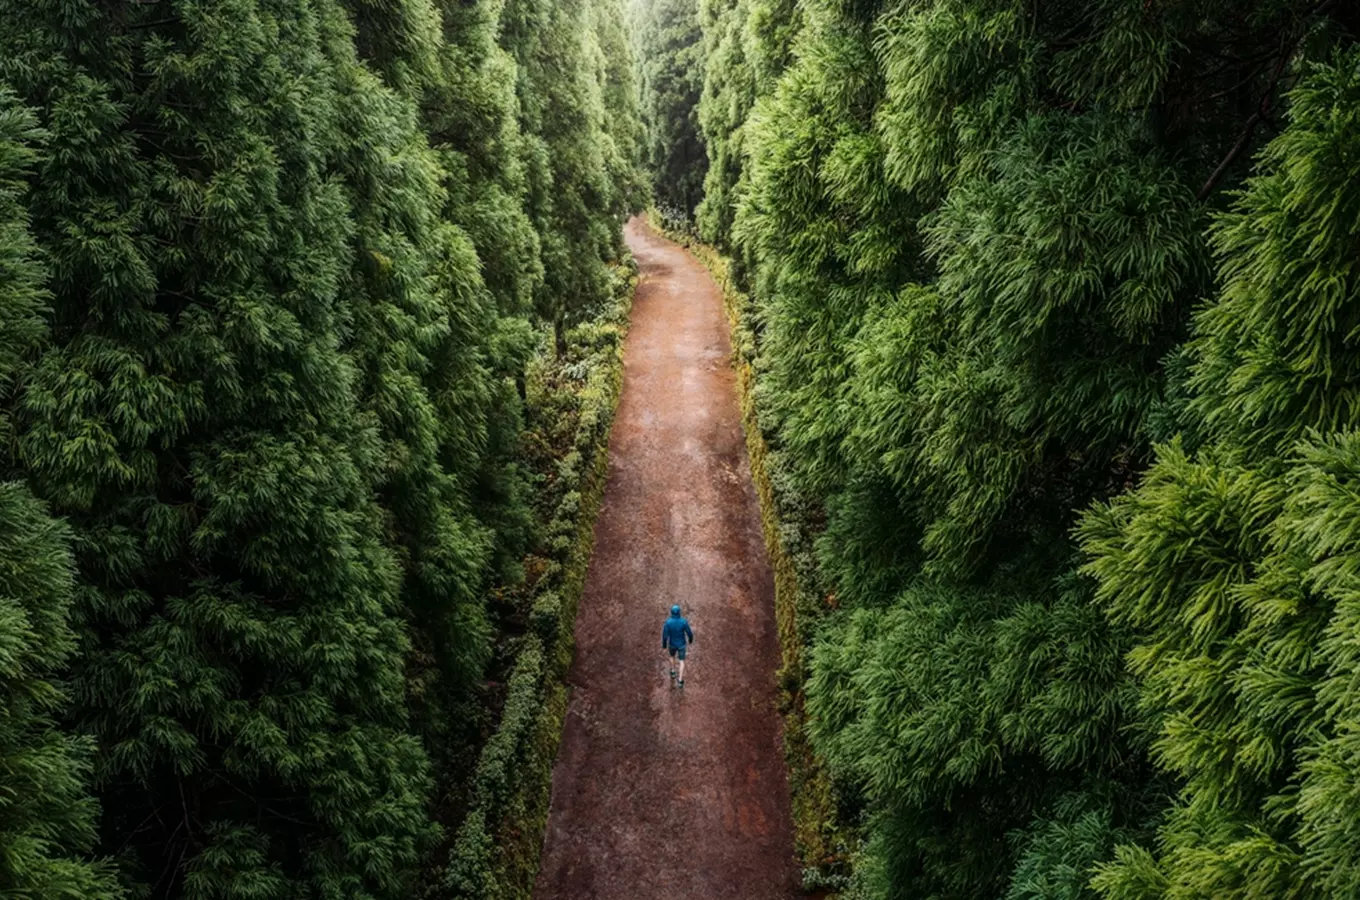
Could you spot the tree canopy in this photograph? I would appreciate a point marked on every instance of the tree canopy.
(1052, 315)
(271, 272)
(1051, 311)
(671, 71)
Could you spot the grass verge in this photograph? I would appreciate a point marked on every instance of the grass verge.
(572, 399)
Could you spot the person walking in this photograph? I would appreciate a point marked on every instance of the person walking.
(676, 636)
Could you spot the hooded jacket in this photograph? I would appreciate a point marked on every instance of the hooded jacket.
(676, 632)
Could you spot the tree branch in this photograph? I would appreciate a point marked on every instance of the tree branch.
(1262, 110)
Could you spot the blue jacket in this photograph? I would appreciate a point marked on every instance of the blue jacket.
(676, 632)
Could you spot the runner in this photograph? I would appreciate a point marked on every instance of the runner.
(675, 636)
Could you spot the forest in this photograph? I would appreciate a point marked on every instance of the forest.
(311, 315)
(309, 327)
(1052, 310)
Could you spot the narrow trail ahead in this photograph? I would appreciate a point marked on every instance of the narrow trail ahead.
(662, 793)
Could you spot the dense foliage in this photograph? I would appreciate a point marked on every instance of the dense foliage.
(271, 273)
(47, 818)
(747, 44)
(310, 317)
(1001, 279)
(1234, 564)
(671, 71)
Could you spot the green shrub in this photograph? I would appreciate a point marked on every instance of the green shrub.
(495, 851)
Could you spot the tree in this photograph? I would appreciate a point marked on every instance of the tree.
(1233, 563)
(425, 340)
(624, 129)
(745, 48)
(242, 646)
(47, 815)
(571, 201)
(974, 231)
(671, 70)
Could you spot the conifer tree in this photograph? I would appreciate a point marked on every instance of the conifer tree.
(974, 231)
(574, 207)
(670, 65)
(1235, 564)
(422, 336)
(624, 129)
(242, 648)
(746, 46)
(471, 114)
(47, 816)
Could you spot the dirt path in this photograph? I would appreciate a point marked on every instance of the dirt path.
(660, 793)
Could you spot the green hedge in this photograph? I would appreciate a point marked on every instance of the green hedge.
(496, 851)
(822, 839)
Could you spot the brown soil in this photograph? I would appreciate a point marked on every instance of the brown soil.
(658, 792)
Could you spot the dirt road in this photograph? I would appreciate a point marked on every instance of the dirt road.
(662, 793)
